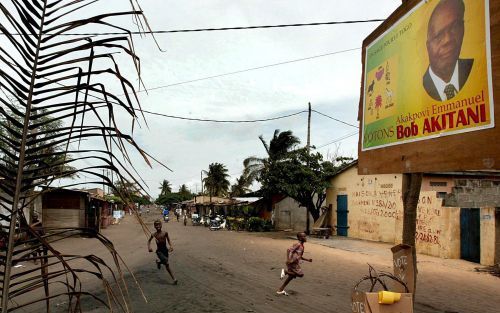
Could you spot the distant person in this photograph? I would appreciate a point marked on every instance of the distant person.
(447, 73)
(161, 238)
(293, 258)
(37, 226)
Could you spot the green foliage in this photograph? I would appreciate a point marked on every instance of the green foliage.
(243, 211)
(141, 200)
(114, 199)
(236, 223)
(278, 147)
(169, 198)
(216, 181)
(49, 158)
(126, 191)
(302, 176)
(241, 186)
(267, 225)
(255, 224)
(173, 197)
(185, 193)
(165, 188)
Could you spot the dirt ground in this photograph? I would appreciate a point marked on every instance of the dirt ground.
(223, 271)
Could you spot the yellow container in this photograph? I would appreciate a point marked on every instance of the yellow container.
(388, 297)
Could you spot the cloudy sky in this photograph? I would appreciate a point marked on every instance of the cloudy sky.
(330, 81)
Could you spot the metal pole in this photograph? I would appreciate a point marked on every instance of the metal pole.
(201, 179)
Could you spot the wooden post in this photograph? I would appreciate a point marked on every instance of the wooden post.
(411, 193)
(308, 231)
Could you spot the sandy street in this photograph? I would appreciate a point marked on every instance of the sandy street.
(222, 271)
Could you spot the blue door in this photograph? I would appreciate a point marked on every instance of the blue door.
(342, 215)
(470, 235)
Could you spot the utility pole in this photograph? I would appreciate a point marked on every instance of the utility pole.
(201, 179)
(308, 231)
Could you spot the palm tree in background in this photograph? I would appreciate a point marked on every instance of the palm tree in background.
(165, 187)
(278, 147)
(185, 192)
(241, 186)
(216, 181)
(183, 189)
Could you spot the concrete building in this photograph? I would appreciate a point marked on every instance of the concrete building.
(289, 215)
(457, 214)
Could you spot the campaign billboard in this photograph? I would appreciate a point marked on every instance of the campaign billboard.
(428, 75)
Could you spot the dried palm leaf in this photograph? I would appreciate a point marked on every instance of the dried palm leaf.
(55, 92)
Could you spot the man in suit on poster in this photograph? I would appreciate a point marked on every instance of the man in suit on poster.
(447, 73)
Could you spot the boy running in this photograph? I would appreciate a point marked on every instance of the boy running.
(161, 239)
(293, 257)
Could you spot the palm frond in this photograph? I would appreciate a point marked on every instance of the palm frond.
(56, 91)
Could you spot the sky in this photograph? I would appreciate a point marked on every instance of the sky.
(330, 82)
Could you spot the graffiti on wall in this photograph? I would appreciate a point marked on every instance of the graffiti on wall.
(374, 210)
(378, 203)
(428, 223)
(384, 206)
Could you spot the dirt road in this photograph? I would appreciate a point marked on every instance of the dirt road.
(222, 271)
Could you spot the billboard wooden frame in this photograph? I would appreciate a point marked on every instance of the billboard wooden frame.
(477, 150)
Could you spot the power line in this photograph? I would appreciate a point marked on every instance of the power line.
(216, 29)
(245, 70)
(335, 119)
(337, 140)
(224, 121)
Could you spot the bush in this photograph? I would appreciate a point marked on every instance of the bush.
(255, 224)
(267, 225)
(235, 223)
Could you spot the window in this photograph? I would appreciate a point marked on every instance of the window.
(438, 184)
(441, 195)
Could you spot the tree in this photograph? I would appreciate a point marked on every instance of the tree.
(300, 175)
(175, 197)
(50, 158)
(169, 198)
(241, 186)
(125, 190)
(165, 188)
(278, 147)
(185, 192)
(216, 180)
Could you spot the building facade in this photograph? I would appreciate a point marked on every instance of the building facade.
(370, 207)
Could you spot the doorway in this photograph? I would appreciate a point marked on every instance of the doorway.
(342, 211)
(470, 235)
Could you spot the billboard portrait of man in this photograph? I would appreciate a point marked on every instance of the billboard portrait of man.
(447, 72)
